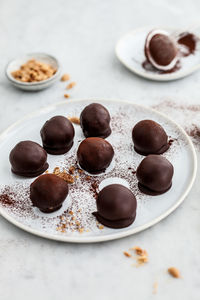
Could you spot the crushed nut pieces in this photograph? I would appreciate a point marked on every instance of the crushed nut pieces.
(141, 255)
(127, 254)
(65, 77)
(66, 95)
(33, 71)
(75, 120)
(64, 175)
(174, 272)
(71, 85)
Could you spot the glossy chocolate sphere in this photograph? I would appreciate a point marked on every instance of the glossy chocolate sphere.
(154, 174)
(149, 137)
(57, 135)
(48, 192)
(28, 159)
(161, 50)
(95, 155)
(95, 121)
(116, 206)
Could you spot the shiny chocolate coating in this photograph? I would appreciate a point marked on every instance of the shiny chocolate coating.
(48, 192)
(162, 49)
(116, 206)
(57, 135)
(95, 155)
(154, 174)
(149, 137)
(28, 159)
(95, 121)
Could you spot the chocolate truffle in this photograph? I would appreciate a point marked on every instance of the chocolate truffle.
(28, 159)
(161, 50)
(95, 155)
(154, 175)
(48, 192)
(149, 138)
(116, 206)
(95, 121)
(57, 135)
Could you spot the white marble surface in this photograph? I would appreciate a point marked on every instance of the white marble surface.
(82, 34)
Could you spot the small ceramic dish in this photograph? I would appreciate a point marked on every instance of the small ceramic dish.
(15, 64)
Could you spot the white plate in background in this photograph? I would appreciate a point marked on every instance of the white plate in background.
(130, 51)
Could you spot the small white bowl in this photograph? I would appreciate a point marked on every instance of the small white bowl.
(16, 63)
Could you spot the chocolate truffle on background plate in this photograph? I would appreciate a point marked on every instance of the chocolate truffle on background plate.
(116, 206)
(149, 137)
(95, 121)
(57, 135)
(48, 192)
(95, 155)
(28, 159)
(161, 50)
(154, 174)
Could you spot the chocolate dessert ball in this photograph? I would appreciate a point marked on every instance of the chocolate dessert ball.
(57, 135)
(154, 175)
(95, 155)
(95, 121)
(149, 138)
(161, 50)
(48, 192)
(28, 159)
(116, 206)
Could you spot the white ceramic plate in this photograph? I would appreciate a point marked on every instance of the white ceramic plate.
(124, 115)
(16, 63)
(130, 51)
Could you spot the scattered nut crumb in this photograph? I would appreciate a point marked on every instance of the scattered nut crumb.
(80, 171)
(33, 71)
(46, 172)
(75, 120)
(65, 77)
(71, 170)
(71, 212)
(64, 175)
(87, 177)
(139, 251)
(71, 85)
(81, 230)
(101, 227)
(66, 95)
(174, 272)
(127, 254)
(155, 287)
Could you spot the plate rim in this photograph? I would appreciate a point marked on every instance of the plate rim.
(108, 237)
(148, 75)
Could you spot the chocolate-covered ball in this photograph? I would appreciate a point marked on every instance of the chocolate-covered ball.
(95, 155)
(28, 159)
(57, 135)
(149, 137)
(116, 206)
(154, 174)
(161, 50)
(48, 192)
(95, 121)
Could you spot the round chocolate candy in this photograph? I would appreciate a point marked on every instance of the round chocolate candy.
(95, 121)
(48, 192)
(28, 159)
(116, 206)
(57, 135)
(154, 174)
(95, 155)
(149, 137)
(161, 50)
